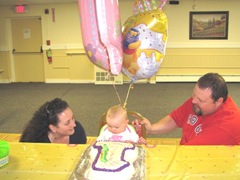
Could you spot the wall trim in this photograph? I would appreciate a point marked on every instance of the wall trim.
(170, 45)
(207, 44)
(64, 46)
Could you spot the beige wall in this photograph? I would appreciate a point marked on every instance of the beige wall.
(69, 66)
(4, 66)
(184, 57)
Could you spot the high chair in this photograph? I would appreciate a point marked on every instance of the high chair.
(132, 115)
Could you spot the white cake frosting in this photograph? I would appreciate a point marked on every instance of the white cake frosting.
(111, 160)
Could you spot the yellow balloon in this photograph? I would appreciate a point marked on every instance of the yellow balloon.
(144, 44)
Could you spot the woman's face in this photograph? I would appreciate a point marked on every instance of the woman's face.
(66, 123)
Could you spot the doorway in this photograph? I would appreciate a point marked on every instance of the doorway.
(27, 49)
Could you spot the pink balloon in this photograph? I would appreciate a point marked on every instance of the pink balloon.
(99, 24)
(163, 2)
(109, 25)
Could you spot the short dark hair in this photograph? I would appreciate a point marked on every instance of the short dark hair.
(216, 83)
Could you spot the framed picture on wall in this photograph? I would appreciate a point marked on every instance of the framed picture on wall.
(208, 25)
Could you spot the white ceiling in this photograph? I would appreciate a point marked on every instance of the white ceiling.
(31, 2)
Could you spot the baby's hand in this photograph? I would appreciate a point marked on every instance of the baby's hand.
(142, 141)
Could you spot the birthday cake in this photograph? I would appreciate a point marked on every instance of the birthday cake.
(4, 151)
(111, 160)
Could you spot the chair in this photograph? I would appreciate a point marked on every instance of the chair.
(132, 115)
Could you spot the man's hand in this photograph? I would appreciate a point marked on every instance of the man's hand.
(144, 122)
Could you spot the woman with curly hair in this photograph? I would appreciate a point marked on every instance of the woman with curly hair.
(53, 122)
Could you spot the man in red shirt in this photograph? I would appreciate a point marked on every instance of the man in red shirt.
(209, 117)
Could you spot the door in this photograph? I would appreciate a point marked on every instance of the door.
(27, 49)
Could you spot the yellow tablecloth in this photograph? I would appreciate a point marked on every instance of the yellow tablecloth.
(57, 161)
(91, 139)
(10, 137)
(15, 138)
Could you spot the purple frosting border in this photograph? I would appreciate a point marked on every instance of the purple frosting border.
(99, 148)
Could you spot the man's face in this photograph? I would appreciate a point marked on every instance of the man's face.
(202, 101)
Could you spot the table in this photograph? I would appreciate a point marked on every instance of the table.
(57, 161)
(91, 139)
(9, 137)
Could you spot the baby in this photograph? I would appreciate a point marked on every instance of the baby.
(117, 127)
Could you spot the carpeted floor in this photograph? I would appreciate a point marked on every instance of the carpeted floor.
(88, 101)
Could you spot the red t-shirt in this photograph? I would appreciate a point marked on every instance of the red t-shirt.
(219, 128)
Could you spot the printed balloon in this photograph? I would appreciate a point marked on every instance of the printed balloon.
(144, 42)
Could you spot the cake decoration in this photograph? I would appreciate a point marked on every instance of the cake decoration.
(111, 160)
(104, 151)
(121, 159)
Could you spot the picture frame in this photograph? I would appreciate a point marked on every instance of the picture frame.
(208, 25)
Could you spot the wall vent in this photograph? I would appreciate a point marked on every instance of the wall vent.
(102, 78)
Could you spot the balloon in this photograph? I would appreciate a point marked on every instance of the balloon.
(163, 2)
(144, 5)
(144, 44)
(101, 33)
(109, 25)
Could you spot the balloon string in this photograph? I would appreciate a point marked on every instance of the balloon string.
(125, 103)
(119, 99)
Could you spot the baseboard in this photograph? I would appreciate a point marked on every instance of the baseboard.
(136, 82)
(159, 78)
(82, 81)
(192, 78)
(4, 81)
(232, 78)
(69, 81)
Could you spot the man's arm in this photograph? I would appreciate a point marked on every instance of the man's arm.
(163, 126)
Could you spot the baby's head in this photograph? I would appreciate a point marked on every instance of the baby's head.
(117, 119)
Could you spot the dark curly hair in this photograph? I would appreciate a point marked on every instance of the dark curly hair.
(38, 127)
(216, 83)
